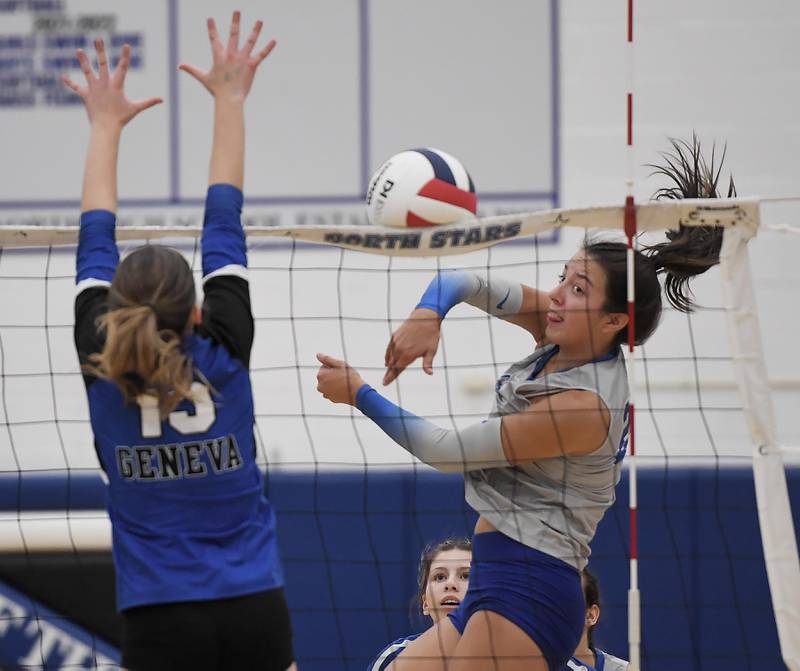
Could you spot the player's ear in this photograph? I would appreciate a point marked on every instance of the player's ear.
(425, 609)
(195, 319)
(592, 615)
(615, 322)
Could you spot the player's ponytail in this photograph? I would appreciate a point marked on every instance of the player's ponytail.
(150, 304)
(687, 252)
(691, 250)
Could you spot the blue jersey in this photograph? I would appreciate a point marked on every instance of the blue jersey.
(387, 655)
(185, 497)
(605, 662)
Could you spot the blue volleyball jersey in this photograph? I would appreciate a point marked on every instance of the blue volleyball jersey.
(387, 655)
(605, 662)
(186, 499)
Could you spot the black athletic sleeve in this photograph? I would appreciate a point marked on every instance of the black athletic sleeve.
(90, 305)
(95, 262)
(227, 318)
(227, 314)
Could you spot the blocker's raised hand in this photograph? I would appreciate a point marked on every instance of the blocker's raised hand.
(104, 94)
(233, 69)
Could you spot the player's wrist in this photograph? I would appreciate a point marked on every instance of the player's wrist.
(355, 384)
(228, 100)
(106, 127)
(447, 289)
(361, 391)
(426, 314)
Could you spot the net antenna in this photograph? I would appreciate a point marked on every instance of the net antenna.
(630, 226)
(772, 497)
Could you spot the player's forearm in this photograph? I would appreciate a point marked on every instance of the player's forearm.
(100, 172)
(532, 312)
(499, 297)
(227, 152)
(475, 447)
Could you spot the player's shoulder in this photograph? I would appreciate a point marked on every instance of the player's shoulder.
(211, 358)
(387, 655)
(609, 662)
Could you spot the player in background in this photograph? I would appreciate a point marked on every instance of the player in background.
(542, 469)
(442, 581)
(199, 581)
(588, 657)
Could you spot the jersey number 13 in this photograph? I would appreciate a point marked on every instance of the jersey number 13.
(180, 420)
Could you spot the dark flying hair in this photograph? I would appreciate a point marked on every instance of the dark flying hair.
(687, 252)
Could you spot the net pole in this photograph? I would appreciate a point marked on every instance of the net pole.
(772, 497)
(634, 601)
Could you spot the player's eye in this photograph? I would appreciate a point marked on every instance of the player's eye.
(578, 289)
(465, 575)
(561, 278)
(438, 577)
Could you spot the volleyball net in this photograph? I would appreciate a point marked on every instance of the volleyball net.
(352, 504)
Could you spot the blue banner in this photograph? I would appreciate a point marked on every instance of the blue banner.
(35, 637)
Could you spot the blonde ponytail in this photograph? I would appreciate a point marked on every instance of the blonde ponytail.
(140, 359)
(150, 304)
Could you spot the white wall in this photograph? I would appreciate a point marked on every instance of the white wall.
(728, 70)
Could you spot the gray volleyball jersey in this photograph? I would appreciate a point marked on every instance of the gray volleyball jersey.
(554, 505)
(605, 662)
(611, 663)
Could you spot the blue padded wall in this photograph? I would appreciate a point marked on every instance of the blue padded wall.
(350, 544)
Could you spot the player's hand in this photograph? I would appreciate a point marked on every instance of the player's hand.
(104, 94)
(233, 69)
(337, 381)
(417, 337)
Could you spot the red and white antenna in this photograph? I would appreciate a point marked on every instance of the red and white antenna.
(634, 601)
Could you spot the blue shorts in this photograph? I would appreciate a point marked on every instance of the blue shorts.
(542, 595)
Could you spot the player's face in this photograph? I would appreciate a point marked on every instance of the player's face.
(447, 583)
(576, 318)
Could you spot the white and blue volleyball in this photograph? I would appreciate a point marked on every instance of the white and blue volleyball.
(421, 187)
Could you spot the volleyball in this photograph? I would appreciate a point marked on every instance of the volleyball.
(420, 187)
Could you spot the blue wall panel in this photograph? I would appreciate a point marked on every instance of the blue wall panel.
(705, 598)
(350, 544)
